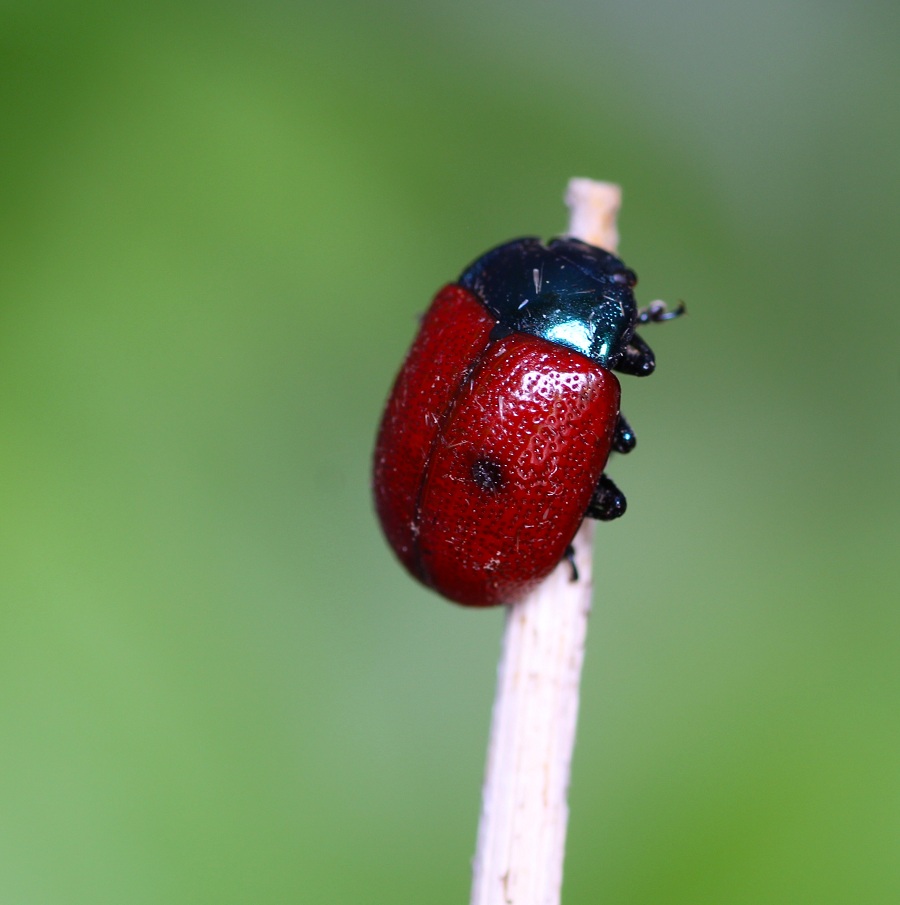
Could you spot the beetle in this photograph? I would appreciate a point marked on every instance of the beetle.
(496, 434)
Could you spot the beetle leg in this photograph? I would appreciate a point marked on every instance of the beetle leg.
(656, 312)
(569, 557)
(608, 502)
(637, 359)
(624, 439)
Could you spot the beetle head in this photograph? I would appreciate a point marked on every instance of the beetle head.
(567, 292)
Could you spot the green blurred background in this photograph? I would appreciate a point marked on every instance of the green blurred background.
(218, 223)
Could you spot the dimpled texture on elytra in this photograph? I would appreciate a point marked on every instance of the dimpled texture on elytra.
(489, 453)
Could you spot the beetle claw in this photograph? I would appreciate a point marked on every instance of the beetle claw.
(569, 557)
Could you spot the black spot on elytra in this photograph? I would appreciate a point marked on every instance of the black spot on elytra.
(488, 475)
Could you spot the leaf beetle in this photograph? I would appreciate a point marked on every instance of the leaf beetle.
(496, 434)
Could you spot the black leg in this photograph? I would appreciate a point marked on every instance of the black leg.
(569, 556)
(637, 359)
(608, 502)
(624, 439)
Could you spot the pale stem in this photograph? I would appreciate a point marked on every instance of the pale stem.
(524, 813)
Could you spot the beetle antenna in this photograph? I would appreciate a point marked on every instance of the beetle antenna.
(657, 312)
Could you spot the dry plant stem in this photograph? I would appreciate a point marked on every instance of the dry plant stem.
(522, 831)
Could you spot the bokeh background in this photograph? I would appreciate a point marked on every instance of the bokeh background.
(218, 224)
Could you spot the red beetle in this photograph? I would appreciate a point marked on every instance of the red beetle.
(495, 436)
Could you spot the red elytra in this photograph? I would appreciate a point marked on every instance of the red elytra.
(488, 453)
